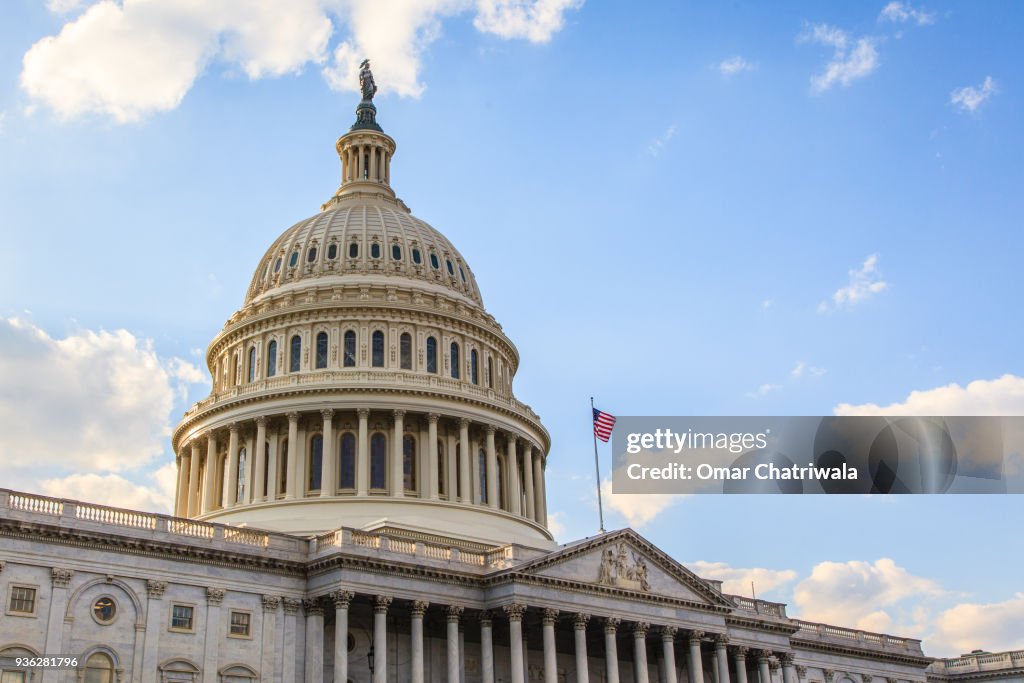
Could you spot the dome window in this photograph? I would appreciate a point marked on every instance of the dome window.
(332, 252)
(272, 358)
(378, 462)
(409, 463)
(321, 350)
(252, 364)
(311, 255)
(451, 268)
(455, 360)
(378, 349)
(350, 349)
(474, 374)
(353, 250)
(462, 274)
(316, 462)
(375, 250)
(433, 261)
(431, 355)
(396, 252)
(417, 257)
(293, 260)
(347, 474)
(405, 351)
(277, 264)
(296, 355)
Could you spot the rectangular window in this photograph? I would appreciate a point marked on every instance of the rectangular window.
(23, 600)
(12, 677)
(181, 617)
(240, 624)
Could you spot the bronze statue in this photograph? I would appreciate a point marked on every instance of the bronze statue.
(366, 83)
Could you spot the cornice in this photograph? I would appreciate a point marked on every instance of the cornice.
(863, 653)
(742, 621)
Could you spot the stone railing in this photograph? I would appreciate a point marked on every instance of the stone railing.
(771, 609)
(386, 544)
(979, 661)
(848, 636)
(90, 516)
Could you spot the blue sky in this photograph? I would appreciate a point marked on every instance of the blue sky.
(762, 208)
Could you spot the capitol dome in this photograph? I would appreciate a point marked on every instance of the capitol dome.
(363, 385)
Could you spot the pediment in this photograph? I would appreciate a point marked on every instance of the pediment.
(624, 560)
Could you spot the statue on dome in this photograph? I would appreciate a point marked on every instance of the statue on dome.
(366, 84)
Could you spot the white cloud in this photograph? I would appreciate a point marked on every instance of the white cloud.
(763, 390)
(134, 58)
(115, 490)
(556, 524)
(802, 368)
(865, 282)
(735, 65)
(1002, 396)
(64, 6)
(863, 595)
(968, 626)
(92, 401)
(851, 59)
(903, 12)
(637, 508)
(3, 121)
(767, 303)
(970, 98)
(737, 580)
(658, 144)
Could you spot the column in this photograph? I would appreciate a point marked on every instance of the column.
(741, 664)
(363, 456)
(511, 460)
(290, 641)
(454, 665)
(231, 472)
(249, 469)
(291, 483)
(492, 470)
(397, 475)
(269, 653)
(773, 667)
(432, 469)
(380, 638)
(640, 651)
(541, 488)
(611, 649)
(668, 650)
(181, 499)
(154, 628)
(328, 476)
(258, 456)
(763, 671)
(722, 656)
(419, 608)
(464, 475)
(515, 640)
(486, 647)
(314, 641)
(579, 625)
(342, 600)
(530, 511)
(273, 468)
(373, 163)
(788, 670)
(210, 478)
(549, 617)
(212, 634)
(55, 620)
(696, 665)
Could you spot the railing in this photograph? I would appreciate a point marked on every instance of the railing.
(380, 541)
(818, 631)
(115, 516)
(772, 609)
(980, 661)
(30, 503)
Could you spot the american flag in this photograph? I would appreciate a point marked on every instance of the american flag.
(603, 424)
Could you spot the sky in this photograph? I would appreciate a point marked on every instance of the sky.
(677, 208)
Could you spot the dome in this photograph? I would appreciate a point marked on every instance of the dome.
(363, 237)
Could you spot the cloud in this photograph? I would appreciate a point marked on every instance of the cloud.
(802, 368)
(763, 390)
(1002, 396)
(851, 59)
(735, 65)
(767, 303)
(113, 489)
(3, 121)
(736, 580)
(903, 12)
(556, 524)
(637, 508)
(131, 59)
(64, 6)
(968, 626)
(863, 595)
(658, 144)
(970, 98)
(865, 282)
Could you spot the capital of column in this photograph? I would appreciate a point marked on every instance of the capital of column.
(640, 629)
(786, 658)
(721, 639)
(155, 589)
(486, 618)
(363, 413)
(463, 422)
(313, 607)
(490, 429)
(419, 608)
(292, 416)
(515, 611)
(864, 677)
(233, 428)
(740, 651)
(398, 412)
(549, 616)
(763, 655)
(829, 675)
(327, 413)
(695, 636)
(432, 418)
(61, 577)
(261, 421)
(773, 665)
(611, 624)
(801, 672)
(291, 605)
(668, 633)
(454, 613)
(271, 603)
(511, 438)
(579, 620)
(215, 596)
(381, 603)
(342, 599)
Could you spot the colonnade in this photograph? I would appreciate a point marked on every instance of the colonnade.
(211, 464)
(366, 160)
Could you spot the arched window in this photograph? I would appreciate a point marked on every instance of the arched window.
(432, 355)
(347, 462)
(282, 467)
(321, 350)
(434, 262)
(222, 474)
(353, 250)
(375, 250)
(252, 364)
(350, 349)
(474, 375)
(442, 468)
(490, 373)
(238, 369)
(99, 669)
(311, 255)
(378, 461)
(502, 498)
(482, 467)
(316, 461)
(405, 350)
(277, 264)
(378, 349)
(296, 356)
(417, 257)
(332, 252)
(455, 360)
(451, 268)
(240, 482)
(272, 358)
(396, 252)
(409, 463)
(266, 468)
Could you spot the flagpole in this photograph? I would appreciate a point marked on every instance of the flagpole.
(597, 468)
